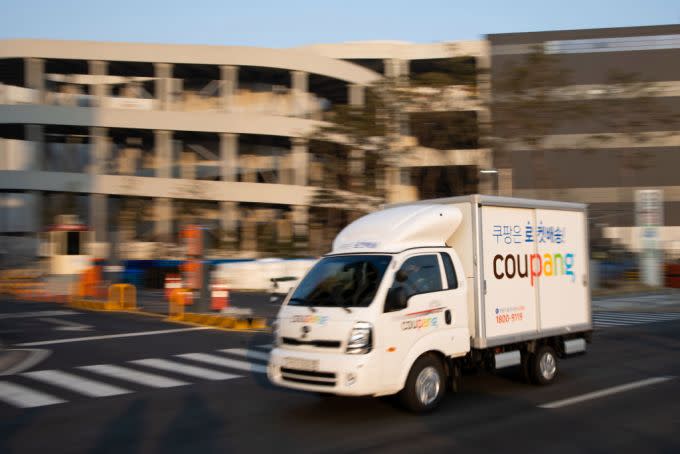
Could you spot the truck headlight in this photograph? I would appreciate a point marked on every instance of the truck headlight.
(360, 339)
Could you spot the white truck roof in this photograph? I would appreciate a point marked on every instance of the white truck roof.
(400, 228)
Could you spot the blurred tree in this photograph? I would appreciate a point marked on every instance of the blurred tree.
(377, 136)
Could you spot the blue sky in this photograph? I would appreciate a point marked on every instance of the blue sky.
(289, 23)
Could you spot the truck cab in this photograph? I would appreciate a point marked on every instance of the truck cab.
(365, 313)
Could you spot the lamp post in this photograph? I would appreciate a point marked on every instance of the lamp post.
(493, 172)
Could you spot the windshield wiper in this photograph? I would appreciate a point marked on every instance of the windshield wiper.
(346, 308)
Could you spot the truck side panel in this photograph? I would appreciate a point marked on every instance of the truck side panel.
(510, 302)
(563, 285)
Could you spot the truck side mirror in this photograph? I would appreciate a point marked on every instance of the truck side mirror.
(396, 300)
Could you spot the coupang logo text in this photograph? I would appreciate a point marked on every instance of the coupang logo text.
(533, 266)
(310, 319)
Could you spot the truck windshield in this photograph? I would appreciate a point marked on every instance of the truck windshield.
(342, 281)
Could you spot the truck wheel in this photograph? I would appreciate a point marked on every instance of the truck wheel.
(543, 366)
(425, 385)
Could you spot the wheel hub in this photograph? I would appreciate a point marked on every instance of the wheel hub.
(427, 385)
(548, 366)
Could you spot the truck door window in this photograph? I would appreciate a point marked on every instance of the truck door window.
(450, 271)
(423, 275)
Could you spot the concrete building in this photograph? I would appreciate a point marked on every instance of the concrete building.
(137, 139)
(610, 125)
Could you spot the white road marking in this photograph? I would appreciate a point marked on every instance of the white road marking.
(112, 336)
(605, 319)
(226, 362)
(142, 378)
(36, 314)
(637, 316)
(605, 392)
(65, 325)
(75, 383)
(172, 366)
(249, 354)
(23, 397)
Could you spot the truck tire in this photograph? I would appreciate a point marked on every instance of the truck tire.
(543, 366)
(425, 385)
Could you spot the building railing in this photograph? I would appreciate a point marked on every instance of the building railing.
(243, 101)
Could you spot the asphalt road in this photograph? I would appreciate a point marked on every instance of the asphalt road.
(98, 391)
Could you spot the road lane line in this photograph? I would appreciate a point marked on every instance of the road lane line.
(36, 314)
(75, 383)
(23, 397)
(194, 371)
(226, 362)
(249, 354)
(111, 336)
(142, 378)
(605, 392)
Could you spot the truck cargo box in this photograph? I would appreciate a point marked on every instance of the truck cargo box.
(527, 261)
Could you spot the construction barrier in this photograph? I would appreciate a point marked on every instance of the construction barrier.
(125, 295)
(176, 303)
(219, 296)
(172, 282)
(177, 313)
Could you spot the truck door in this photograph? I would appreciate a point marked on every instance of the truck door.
(425, 285)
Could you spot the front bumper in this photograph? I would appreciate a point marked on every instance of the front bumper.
(337, 373)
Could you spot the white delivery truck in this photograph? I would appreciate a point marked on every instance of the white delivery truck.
(412, 294)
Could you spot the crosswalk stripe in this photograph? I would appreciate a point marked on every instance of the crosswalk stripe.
(628, 319)
(135, 376)
(226, 362)
(639, 316)
(75, 383)
(23, 397)
(633, 319)
(250, 354)
(173, 366)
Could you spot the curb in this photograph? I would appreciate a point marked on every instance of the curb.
(98, 305)
(222, 321)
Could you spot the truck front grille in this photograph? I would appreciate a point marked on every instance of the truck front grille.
(308, 377)
(311, 343)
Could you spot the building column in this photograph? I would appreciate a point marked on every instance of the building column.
(162, 206)
(99, 90)
(300, 217)
(34, 76)
(228, 85)
(229, 160)
(395, 67)
(98, 203)
(357, 158)
(300, 161)
(229, 168)
(163, 88)
(163, 220)
(299, 89)
(35, 135)
(356, 95)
